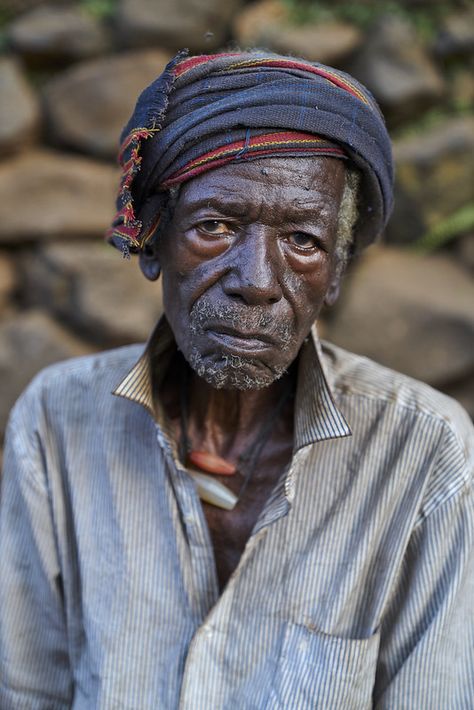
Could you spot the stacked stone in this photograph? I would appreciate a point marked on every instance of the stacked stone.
(68, 81)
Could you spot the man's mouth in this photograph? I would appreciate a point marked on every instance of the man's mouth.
(233, 339)
(241, 330)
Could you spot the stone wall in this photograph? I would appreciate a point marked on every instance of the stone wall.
(69, 74)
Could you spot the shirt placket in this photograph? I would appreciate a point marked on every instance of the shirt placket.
(203, 682)
(201, 674)
(205, 591)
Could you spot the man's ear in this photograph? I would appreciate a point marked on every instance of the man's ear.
(332, 294)
(149, 263)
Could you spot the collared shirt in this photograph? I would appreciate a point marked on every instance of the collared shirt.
(355, 589)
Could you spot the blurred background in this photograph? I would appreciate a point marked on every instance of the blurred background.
(69, 76)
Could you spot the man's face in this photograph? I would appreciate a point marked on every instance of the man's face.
(248, 261)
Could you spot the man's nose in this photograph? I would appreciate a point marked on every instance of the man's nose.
(254, 274)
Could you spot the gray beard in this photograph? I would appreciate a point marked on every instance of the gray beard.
(236, 371)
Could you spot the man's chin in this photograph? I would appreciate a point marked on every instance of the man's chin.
(234, 372)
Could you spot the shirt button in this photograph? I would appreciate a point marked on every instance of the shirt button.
(208, 630)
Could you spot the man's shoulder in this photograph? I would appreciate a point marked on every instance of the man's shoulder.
(90, 369)
(87, 375)
(360, 377)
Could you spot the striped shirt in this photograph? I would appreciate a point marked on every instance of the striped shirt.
(355, 589)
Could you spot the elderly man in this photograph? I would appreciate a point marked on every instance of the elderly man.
(245, 517)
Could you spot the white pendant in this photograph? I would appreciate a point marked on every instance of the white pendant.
(213, 491)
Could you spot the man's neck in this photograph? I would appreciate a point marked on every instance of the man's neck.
(221, 421)
(226, 421)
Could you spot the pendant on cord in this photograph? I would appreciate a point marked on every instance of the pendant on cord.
(211, 463)
(210, 489)
(213, 491)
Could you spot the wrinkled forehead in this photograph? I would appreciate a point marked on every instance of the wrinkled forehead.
(302, 186)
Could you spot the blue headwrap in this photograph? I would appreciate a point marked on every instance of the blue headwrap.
(202, 108)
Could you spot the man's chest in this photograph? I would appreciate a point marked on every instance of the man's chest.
(229, 530)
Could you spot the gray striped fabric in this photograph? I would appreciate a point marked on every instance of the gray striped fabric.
(355, 590)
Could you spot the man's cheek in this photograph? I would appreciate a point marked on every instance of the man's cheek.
(305, 299)
(178, 289)
(176, 312)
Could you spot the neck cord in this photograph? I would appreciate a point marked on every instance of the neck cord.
(248, 459)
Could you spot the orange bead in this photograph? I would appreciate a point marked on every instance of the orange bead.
(211, 463)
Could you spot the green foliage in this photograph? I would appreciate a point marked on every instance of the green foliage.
(102, 9)
(4, 20)
(425, 19)
(5, 17)
(448, 229)
(454, 107)
(423, 123)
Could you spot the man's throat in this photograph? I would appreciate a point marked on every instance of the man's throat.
(203, 460)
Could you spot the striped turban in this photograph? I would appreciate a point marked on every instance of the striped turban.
(203, 112)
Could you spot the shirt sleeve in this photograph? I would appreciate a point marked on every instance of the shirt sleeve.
(34, 662)
(426, 655)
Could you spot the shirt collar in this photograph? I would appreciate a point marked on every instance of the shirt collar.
(137, 385)
(317, 417)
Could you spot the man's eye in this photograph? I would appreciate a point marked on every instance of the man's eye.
(302, 240)
(215, 228)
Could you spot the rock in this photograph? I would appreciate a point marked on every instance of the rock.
(200, 25)
(95, 290)
(465, 251)
(19, 109)
(267, 24)
(88, 105)
(435, 177)
(463, 391)
(12, 8)
(398, 71)
(8, 281)
(461, 89)
(46, 195)
(412, 313)
(456, 36)
(50, 34)
(29, 342)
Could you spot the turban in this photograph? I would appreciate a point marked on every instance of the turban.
(205, 111)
